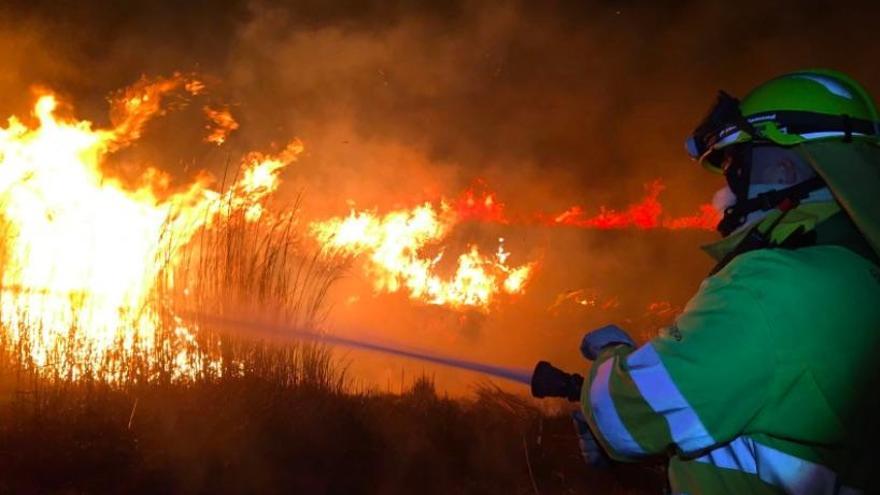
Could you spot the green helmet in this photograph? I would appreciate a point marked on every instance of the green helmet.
(795, 108)
(828, 118)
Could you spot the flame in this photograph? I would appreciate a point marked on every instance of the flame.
(707, 219)
(396, 245)
(646, 214)
(132, 107)
(643, 215)
(220, 124)
(82, 253)
(478, 203)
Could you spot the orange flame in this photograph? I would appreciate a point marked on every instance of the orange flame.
(478, 203)
(707, 219)
(643, 215)
(646, 214)
(81, 251)
(220, 124)
(132, 107)
(396, 244)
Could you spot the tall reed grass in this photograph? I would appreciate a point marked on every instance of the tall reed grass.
(234, 266)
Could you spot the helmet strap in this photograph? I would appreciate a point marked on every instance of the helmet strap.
(735, 216)
(737, 172)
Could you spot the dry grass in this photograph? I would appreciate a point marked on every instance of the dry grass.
(264, 433)
(232, 267)
(252, 416)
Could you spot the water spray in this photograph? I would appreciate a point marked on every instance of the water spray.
(544, 381)
(517, 375)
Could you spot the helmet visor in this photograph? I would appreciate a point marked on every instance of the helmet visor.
(722, 126)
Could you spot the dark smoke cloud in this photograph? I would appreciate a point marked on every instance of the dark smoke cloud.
(590, 93)
(554, 102)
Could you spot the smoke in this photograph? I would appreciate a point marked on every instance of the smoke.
(589, 94)
(553, 103)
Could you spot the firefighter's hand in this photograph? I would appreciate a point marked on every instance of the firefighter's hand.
(598, 339)
(591, 451)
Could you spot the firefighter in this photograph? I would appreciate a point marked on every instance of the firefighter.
(767, 382)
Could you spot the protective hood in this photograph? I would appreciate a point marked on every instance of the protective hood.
(852, 172)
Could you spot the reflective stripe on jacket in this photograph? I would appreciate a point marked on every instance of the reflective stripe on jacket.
(764, 384)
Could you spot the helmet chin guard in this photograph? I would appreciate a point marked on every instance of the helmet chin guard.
(737, 168)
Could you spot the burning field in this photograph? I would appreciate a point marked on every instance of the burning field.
(107, 276)
(96, 272)
(259, 246)
(132, 283)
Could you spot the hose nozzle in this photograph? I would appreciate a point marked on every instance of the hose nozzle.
(549, 381)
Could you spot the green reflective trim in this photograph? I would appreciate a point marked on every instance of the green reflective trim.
(601, 409)
(647, 427)
(696, 478)
(811, 453)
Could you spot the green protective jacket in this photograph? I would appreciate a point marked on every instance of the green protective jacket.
(766, 383)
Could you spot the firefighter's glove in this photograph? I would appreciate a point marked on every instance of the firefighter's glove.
(591, 451)
(598, 339)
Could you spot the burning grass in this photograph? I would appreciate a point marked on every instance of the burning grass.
(113, 378)
(231, 267)
(104, 278)
(256, 416)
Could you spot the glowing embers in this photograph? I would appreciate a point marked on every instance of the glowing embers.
(572, 300)
(395, 245)
(82, 255)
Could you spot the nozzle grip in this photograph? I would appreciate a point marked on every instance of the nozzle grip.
(549, 381)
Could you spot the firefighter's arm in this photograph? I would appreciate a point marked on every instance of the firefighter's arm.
(696, 385)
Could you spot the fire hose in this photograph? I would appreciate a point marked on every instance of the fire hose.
(545, 380)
